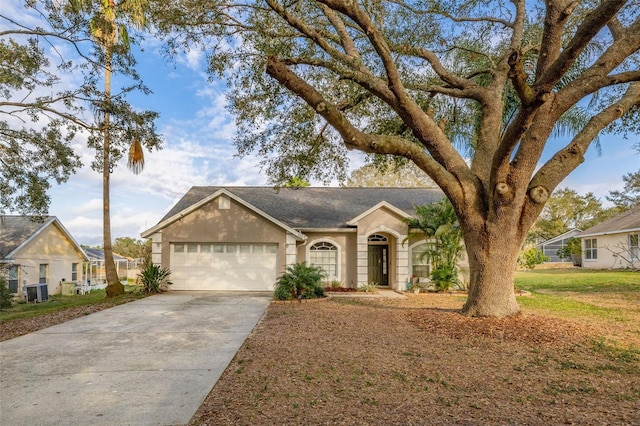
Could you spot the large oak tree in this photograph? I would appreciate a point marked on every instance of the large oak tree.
(470, 91)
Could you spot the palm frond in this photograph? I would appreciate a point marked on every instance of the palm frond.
(136, 157)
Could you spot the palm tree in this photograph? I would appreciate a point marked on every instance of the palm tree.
(438, 223)
(109, 30)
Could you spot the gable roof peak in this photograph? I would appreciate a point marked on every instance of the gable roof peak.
(16, 231)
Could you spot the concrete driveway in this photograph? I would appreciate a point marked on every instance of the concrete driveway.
(148, 362)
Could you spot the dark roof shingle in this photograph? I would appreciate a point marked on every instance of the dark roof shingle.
(624, 221)
(15, 230)
(315, 207)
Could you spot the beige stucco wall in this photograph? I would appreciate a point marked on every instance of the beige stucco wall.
(389, 223)
(212, 224)
(346, 243)
(381, 220)
(608, 246)
(51, 247)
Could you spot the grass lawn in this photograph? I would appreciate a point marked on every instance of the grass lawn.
(59, 302)
(609, 300)
(580, 281)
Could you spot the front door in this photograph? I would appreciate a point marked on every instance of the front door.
(379, 264)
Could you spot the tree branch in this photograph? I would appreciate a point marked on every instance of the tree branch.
(346, 40)
(471, 89)
(423, 127)
(363, 78)
(447, 15)
(310, 33)
(591, 25)
(597, 75)
(555, 19)
(354, 138)
(567, 159)
(39, 106)
(377, 40)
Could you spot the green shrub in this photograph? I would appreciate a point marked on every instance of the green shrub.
(6, 298)
(531, 257)
(445, 277)
(154, 279)
(300, 281)
(572, 248)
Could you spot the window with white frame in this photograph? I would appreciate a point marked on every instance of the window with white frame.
(74, 272)
(13, 279)
(591, 248)
(44, 273)
(634, 247)
(420, 262)
(325, 255)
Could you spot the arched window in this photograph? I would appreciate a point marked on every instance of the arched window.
(325, 255)
(377, 238)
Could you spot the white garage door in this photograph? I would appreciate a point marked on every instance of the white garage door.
(248, 267)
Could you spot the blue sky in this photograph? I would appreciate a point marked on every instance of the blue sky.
(198, 150)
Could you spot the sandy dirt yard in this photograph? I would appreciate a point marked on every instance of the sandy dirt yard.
(416, 361)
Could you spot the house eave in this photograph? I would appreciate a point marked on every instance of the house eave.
(560, 237)
(618, 231)
(343, 230)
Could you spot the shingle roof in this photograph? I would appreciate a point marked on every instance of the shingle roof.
(98, 254)
(310, 207)
(16, 230)
(627, 221)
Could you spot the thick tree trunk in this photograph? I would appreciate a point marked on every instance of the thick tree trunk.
(492, 263)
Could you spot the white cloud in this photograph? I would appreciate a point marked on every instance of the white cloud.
(90, 206)
(131, 225)
(192, 59)
(84, 225)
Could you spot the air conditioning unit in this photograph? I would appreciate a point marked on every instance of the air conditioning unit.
(37, 293)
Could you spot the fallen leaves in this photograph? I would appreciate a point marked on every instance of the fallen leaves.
(417, 361)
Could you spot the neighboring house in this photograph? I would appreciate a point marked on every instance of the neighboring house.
(551, 246)
(243, 238)
(95, 270)
(39, 253)
(613, 243)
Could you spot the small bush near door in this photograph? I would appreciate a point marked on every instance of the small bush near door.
(300, 281)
